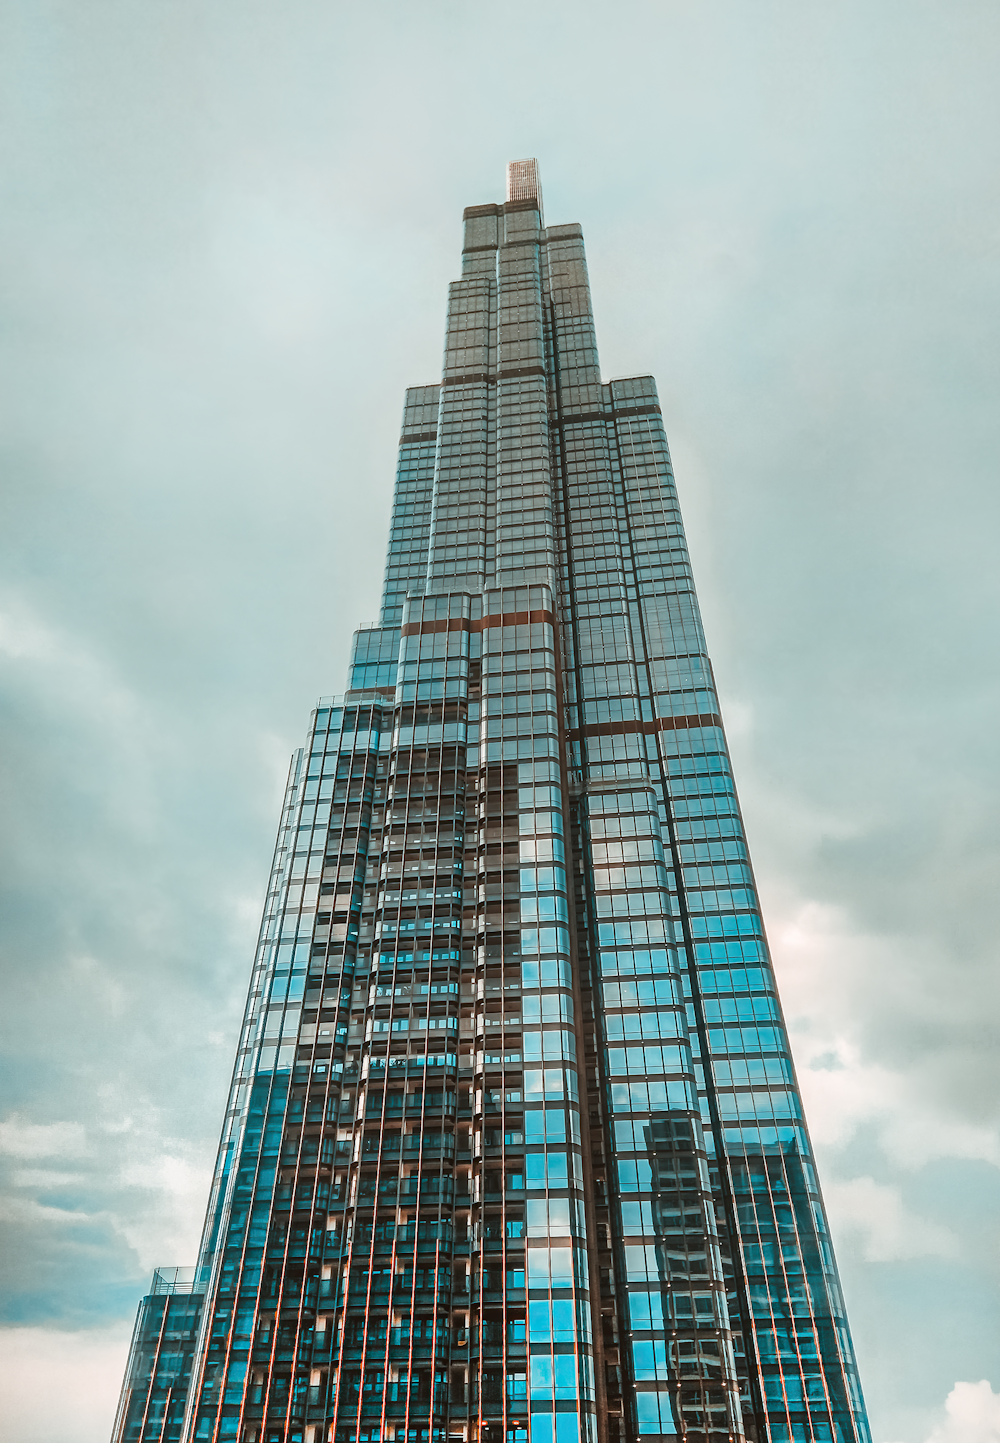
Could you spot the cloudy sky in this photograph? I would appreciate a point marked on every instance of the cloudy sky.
(226, 232)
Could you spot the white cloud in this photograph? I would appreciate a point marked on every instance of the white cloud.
(31, 1139)
(130, 1180)
(97, 978)
(163, 1215)
(22, 636)
(40, 1177)
(837, 983)
(65, 660)
(891, 1233)
(85, 1367)
(17, 1210)
(973, 1415)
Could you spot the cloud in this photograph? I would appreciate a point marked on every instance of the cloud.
(37, 1364)
(973, 1415)
(163, 1201)
(51, 657)
(134, 1199)
(19, 1138)
(843, 990)
(23, 637)
(891, 1233)
(25, 1211)
(37, 1177)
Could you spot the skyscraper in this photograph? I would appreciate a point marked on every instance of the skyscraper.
(514, 1148)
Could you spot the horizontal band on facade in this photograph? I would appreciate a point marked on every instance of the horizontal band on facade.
(487, 378)
(637, 411)
(513, 373)
(648, 728)
(584, 417)
(483, 378)
(610, 415)
(465, 623)
(471, 378)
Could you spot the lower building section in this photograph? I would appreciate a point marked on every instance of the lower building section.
(505, 1160)
(158, 1375)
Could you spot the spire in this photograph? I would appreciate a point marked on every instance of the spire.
(524, 181)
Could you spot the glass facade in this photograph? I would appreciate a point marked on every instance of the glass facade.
(514, 1151)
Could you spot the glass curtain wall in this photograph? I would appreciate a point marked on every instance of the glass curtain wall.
(514, 1151)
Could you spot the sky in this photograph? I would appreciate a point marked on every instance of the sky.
(227, 228)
